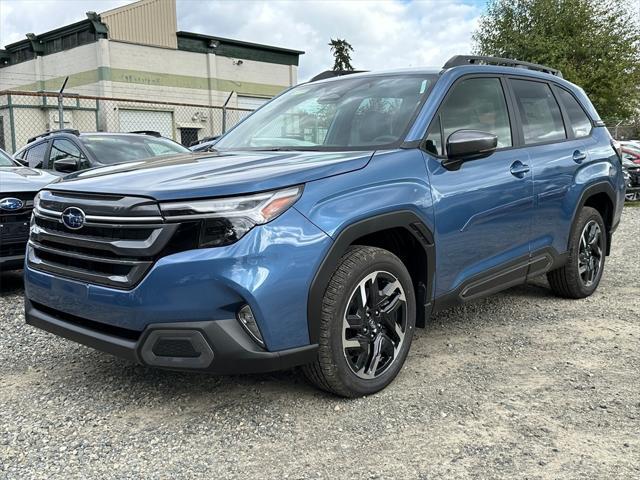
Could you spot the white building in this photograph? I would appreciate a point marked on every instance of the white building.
(135, 53)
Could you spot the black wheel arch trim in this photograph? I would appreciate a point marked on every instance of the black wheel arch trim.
(403, 218)
(602, 186)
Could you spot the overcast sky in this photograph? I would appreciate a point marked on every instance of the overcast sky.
(384, 34)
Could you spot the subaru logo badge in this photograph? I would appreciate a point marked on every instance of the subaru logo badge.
(11, 204)
(73, 218)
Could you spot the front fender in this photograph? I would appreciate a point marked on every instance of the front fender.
(392, 191)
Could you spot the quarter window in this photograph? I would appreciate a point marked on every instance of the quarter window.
(580, 123)
(476, 104)
(539, 112)
(433, 143)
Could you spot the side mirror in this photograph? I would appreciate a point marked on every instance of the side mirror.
(22, 162)
(66, 165)
(465, 145)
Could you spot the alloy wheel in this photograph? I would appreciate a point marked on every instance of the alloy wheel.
(590, 253)
(374, 324)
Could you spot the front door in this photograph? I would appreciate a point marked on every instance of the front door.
(483, 211)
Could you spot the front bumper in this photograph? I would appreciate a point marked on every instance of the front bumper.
(270, 269)
(11, 262)
(12, 254)
(219, 346)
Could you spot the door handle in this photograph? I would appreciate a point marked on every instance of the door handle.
(519, 169)
(579, 156)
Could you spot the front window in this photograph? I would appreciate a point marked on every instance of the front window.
(350, 113)
(111, 149)
(63, 149)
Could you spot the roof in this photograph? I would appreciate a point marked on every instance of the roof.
(380, 73)
(232, 41)
(92, 29)
(228, 47)
(57, 40)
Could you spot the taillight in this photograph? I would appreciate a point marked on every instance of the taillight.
(617, 147)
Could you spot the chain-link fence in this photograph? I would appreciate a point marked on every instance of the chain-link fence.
(24, 115)
(624, 130)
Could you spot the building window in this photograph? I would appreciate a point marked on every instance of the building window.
(188, 136)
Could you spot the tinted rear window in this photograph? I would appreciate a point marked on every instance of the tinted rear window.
(35, 155)
(5, 160)
(539, 112)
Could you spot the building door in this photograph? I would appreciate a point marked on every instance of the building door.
(154, 120)
(188, 136)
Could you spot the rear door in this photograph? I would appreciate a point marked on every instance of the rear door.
(556, 151)
(483, 210)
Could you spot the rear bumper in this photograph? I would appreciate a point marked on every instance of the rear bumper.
(219, 346)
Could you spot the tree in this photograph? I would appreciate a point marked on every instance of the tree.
(341, 53)
(595, 43)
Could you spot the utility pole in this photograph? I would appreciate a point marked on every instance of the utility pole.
(60, 108)
(224, 112)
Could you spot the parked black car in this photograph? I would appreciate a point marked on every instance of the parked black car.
(69, 150)
(18, 187)
(631, 173)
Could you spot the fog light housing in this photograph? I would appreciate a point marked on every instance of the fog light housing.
(248, 322)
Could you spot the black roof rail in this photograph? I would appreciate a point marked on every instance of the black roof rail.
(72, 131)
(151, 133)
(458, 60)
(334, 73)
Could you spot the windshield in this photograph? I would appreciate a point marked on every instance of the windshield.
(5, 160)
(350, 113)
(110, 149)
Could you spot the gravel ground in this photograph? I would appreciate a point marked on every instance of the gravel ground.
(520, 385)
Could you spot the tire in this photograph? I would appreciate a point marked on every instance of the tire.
(632, 197)
(569, 281)
(352, 371)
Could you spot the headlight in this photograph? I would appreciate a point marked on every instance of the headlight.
(227, 220)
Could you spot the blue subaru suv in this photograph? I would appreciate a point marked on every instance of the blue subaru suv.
(331, 223)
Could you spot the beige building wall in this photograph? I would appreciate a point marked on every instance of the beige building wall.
(148, 22)
(135, 64)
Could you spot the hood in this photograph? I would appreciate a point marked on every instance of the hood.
(24, 179)
(213, 174)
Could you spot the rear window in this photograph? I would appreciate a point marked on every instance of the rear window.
(5, 160)
(539, 112)
(111, 149)
(34, 156)
(580, 123)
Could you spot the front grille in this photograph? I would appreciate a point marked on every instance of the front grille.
(120, 240)
(97, 231)
(14, 225)
(11, 250)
